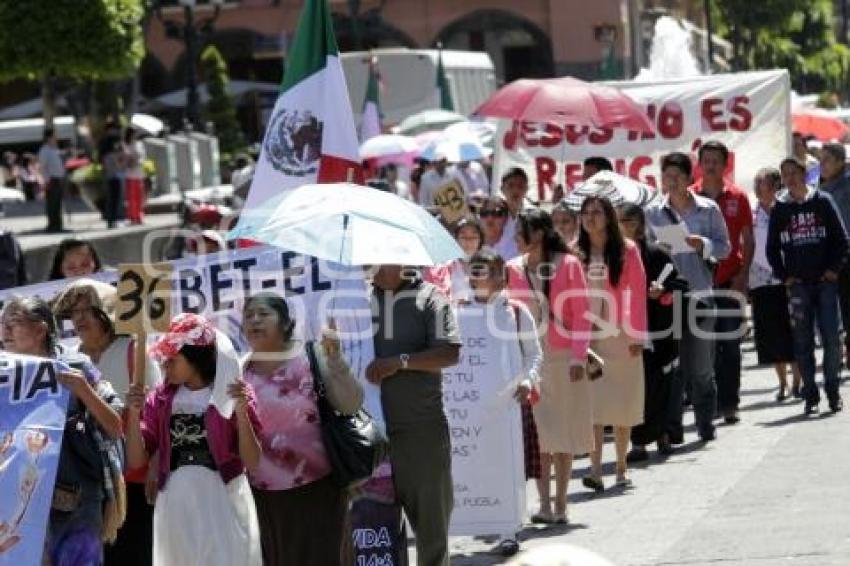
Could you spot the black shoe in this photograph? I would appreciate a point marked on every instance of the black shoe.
(664, 447)
(796, 392)
(811, 408)
(708, 435)
(836, 405)
(507, 547)
(637, 454)
(592, 483)
(676, 439)
(732, 418)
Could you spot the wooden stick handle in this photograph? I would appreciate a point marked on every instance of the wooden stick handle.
(140, 358)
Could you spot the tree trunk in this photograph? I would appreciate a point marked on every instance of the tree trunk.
(48, 99)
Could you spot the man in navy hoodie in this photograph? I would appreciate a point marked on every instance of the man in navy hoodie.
(807, 247)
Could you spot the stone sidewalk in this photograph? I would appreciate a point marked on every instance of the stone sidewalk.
(772, 490)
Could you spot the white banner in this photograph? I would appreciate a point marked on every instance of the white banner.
(216, 286)
(486, 432)
(749, 112)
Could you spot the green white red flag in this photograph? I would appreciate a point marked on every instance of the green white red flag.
(370, 125)
(311, 136)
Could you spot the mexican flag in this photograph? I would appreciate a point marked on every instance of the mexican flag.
(311, 136)
(444, 95)
(370, 126)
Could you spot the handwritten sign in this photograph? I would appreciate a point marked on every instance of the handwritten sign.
(32, 420)
(746, 111)
(144, 298)
(451, 201)
(486, 433)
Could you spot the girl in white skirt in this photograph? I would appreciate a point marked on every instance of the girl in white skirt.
(202, 423)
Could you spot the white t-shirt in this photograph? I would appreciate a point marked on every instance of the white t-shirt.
(430, 182)
(473, 178)
(506, 247)
(189, 402)
(135, 155)
(114, 366)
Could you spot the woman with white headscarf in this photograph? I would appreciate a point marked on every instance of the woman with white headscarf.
(202, 422)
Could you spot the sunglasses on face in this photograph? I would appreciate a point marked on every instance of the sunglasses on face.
(495, 213)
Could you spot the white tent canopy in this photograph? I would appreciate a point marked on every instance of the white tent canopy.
(236, 89)
(32, 130)
(28, 108)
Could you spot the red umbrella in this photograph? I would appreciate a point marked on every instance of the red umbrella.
(566, 101)
(820, 124)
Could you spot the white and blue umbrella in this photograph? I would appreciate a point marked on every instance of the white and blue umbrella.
(351, 225)
(484, 131)
(456, 149)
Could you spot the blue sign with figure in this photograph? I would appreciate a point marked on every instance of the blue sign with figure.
(32, 419)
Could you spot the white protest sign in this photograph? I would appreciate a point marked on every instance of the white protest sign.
(486, 433)
(749, 112)
(216, 286)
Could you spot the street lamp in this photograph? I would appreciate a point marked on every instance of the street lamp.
(191, 33)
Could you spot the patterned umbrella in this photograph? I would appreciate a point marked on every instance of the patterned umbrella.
(614, 187)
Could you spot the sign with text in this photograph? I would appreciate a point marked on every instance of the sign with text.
(749, 112)
(216, 286)
(451, 201)
(32, 420)
(485, 428)
(143, 298)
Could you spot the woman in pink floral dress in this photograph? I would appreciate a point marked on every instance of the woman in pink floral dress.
(301, 510)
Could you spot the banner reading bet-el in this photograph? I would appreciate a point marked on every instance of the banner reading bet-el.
(749, 112)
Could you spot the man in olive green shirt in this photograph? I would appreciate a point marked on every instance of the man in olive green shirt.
(415, 337)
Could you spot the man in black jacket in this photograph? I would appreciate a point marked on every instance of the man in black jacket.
(807, 248)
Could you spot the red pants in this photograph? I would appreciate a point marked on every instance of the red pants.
(135, 200)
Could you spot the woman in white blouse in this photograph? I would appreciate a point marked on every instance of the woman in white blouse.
(513, 326)
(771, 321)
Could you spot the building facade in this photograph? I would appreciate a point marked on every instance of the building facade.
(525, 38)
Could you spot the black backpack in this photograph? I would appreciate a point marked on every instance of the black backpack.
(12, 267)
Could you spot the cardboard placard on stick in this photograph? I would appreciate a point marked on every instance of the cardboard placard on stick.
(451, 201)
(144, 306)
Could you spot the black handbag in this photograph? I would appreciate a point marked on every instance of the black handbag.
(353, 443)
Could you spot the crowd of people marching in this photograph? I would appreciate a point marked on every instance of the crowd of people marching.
(224, 461)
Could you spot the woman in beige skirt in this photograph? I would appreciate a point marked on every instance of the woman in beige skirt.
(550, 280)
(617, 280)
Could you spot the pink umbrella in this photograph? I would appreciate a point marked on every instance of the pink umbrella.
(566, 100)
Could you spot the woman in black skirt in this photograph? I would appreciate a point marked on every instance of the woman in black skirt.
(661, 360)
(771, 321)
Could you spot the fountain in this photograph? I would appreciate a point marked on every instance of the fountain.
(671, 55)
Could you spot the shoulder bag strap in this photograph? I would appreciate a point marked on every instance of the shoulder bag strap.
(515, 309)
(318, 383)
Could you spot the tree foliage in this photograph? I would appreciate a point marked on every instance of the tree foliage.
(220, 109)
(794, 34)
(88, 39)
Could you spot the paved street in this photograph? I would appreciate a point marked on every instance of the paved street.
(773, 490)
